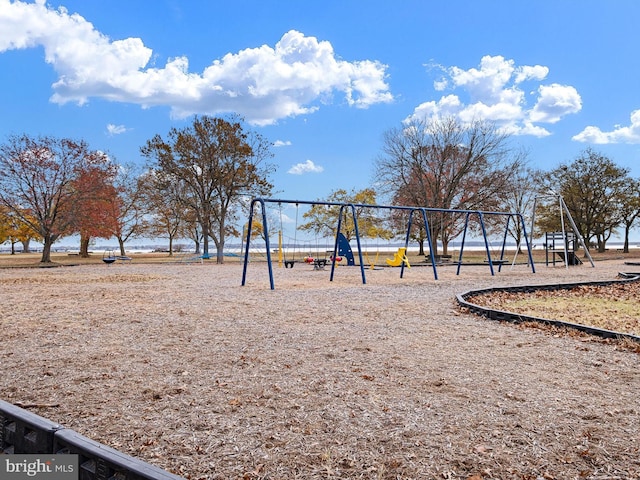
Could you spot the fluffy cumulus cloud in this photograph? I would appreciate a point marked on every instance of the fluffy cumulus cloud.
(282, 143)
(305, 167)
(263, 84)
(497, 91)
(620, 134)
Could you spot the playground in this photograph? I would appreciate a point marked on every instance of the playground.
(179, 365)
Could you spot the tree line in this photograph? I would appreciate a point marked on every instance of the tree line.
(198, 180)
(194, 185)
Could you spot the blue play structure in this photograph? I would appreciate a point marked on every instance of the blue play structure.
(342, 248)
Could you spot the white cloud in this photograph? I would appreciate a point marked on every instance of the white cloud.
(536, 72)
(286, 219)
(448, 105)
(440, 85)
(496, 93)
(630, 134)
(555, 101)
(305, 167)
(115, 129)
(282, 143)
(263, 84)
(526, 128)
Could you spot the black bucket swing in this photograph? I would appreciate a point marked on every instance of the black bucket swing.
(108, 257)
(289, 262)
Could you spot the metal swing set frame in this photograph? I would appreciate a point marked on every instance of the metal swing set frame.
(421, 211)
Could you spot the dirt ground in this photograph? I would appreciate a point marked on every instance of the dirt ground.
(184, 368)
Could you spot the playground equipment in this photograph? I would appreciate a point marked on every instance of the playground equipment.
(371, 263)
(283, 260)
(344, 249)
(190, 258)
(288, 259)
(399, 258)
(351, 208)
(320, 263)
(108, 257)
(282, 255)
(563, 243)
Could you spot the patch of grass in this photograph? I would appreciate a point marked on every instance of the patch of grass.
(612, 307)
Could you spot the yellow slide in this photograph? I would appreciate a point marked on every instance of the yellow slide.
(398, 258)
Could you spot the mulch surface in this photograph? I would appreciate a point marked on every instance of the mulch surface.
(180, 366)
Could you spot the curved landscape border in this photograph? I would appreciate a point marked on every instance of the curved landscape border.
(501, 315)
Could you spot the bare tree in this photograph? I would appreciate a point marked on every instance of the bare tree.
(128, 209)
(518, 197)
(446, 164)
(162, 198)
(219, 162)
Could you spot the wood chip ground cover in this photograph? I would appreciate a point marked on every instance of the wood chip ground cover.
(180, 366)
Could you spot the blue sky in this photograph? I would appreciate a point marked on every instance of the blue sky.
(324, 80)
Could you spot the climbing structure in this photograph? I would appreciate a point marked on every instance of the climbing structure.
(563, 243)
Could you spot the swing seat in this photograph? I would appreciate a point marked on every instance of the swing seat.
(318, 263)
(372, 264)
(108, 257)
(398, 258)
(497, 261)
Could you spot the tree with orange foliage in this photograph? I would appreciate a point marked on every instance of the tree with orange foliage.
(39, 176)
(94, 185)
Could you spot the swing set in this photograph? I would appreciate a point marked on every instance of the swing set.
(282, 254)
(400, 257)
(312, 258)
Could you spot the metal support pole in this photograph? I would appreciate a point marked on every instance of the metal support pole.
(486, 242)
(576, 231)
(464, 236)
(431, 255)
